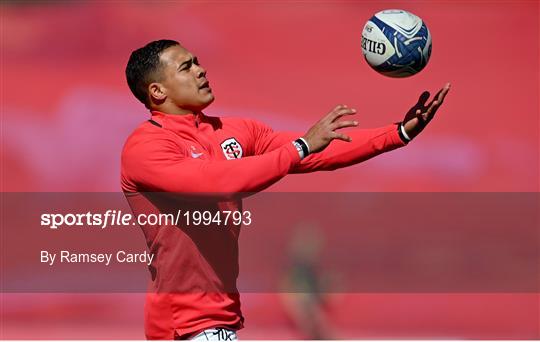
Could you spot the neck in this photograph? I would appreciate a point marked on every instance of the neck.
(174, 110)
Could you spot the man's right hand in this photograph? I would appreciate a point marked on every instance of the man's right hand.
(323, 132)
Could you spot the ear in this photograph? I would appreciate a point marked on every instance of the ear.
(157, 92)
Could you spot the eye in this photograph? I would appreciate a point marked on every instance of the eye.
(186, 66)
(196, 61)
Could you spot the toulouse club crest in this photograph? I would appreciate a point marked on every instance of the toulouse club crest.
(232, 149)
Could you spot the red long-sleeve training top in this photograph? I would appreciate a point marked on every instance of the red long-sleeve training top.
(197, 162)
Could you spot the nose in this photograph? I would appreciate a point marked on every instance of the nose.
(201, 72)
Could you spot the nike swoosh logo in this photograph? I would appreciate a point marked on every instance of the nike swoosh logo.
(196, 155)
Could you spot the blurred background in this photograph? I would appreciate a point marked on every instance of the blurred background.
(66, 111)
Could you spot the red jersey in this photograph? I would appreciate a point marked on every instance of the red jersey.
(199, 162)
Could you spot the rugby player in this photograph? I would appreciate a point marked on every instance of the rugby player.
(183, 152)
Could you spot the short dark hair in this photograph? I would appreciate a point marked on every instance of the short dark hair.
(142, 67)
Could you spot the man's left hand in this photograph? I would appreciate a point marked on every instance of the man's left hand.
(421, 114)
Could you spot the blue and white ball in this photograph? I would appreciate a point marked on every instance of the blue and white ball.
(396, 43)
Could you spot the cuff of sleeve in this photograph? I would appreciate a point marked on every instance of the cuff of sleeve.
(295, 157)
(402, 134)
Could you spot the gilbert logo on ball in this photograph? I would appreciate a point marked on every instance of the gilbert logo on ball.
(396, 43)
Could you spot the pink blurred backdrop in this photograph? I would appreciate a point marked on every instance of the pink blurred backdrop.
(66, 111)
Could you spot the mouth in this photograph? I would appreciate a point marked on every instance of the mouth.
(205, 85)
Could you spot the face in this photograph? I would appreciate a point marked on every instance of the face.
(183, 87)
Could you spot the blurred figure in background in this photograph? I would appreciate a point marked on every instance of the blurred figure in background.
(304, 286)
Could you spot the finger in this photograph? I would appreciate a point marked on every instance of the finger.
(341, 136)
(344, 111)
(435, 98)
(426, 116)
(441, 94)
(431, 110)
(423, 99)
(343, 124)
(419, 115)
(338, 107)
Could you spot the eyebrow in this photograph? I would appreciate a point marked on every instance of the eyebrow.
(187, 61)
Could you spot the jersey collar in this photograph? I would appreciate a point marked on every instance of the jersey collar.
(174, 121)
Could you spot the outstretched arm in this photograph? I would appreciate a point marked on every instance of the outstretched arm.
(163, 163)
(363, 144)
(360, 144)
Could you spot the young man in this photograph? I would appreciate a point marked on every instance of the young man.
(183, 159)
